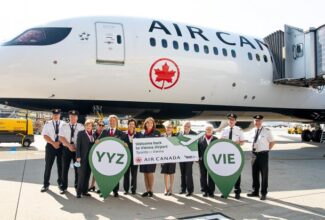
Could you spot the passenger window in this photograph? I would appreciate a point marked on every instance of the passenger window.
(40, 36)
(250, 56)
(224, 52)
(215, 51)
(258, 57)
(196, 48)
(186, 46)
(164, 43)
(233, 53)
(175, 45)
(119, 39)
(265, 58)
(152, 42)
(206, 49)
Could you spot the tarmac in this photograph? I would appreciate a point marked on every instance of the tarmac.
(296, 189)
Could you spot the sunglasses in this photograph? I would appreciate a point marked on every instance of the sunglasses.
(101, 125)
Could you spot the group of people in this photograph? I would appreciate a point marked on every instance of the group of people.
(72, 141)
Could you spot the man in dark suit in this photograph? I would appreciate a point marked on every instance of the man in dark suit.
(207, 184)
(113, 131)
(187, 167)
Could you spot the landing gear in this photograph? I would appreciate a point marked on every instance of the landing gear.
(316, 135)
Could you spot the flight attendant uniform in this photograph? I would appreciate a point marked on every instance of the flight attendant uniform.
(207, 183)
(149, 168)
(168, 168)
(236, 135)
(51, 129)
(69, 132)
(114, 132)
(133, 169)
(260, 159)
(85, 141)
(187, 173)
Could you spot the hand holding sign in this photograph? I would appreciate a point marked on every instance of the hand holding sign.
(224, 161)
(109, 159)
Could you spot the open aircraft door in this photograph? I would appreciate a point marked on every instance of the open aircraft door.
(110, 43)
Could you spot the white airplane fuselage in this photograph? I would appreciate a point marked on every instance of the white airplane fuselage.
(115, 62)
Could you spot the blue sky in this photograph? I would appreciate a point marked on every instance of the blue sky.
(255, 18)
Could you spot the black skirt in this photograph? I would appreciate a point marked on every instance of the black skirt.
(149, 168)
(168, 168)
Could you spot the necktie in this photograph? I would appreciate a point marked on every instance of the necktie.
(56, 131)
(111, 132)
(72, 133)
(230, 134)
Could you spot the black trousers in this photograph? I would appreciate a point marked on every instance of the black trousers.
(83, 177)
(237, 186)
(186, 176)
(133, 170)
(67, 156)
(260, 166)
(207, 184)
(50, 154)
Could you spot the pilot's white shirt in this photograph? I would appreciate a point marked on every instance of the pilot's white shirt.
(263, 140)
(49, 129)
(237, 134)
(65, 132)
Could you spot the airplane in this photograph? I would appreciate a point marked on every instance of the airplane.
(145, 67)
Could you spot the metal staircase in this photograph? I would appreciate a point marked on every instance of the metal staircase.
(322, 138)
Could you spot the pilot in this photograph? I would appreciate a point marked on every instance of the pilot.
(85, 140)
(149, 169)
(234, 133)
(187, 167)
(68, 136)
(263, 142)
(113, 131)
(53, 148)
(207, 183)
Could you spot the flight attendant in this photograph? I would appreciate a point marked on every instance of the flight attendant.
(234, 133)
(187, 167)
(85, 141)
(133, 169)
(207, 184)
(113, 131)
(168, 169)
(263, 142)
(98, 134)
(53, 148)
(149, 169)
(68, 137)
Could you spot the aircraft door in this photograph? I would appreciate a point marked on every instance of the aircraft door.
(110, 43)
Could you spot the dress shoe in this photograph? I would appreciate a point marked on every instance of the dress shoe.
(222, 196)
(182, 192)
(92, 189)
(263, 197)
(78, 196)
(166, 193)
(86, 194)
(134, 192)
(205, 194)
(169, 193)
(145, 194)
(62, 191)
(188, 194)
(115, 194)
(253, 194)
(211, 195)
(126, 192)
(98, 191)
(44, 189)
(150, 194)
(237, 196)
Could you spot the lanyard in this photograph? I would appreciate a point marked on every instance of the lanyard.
(90, 137)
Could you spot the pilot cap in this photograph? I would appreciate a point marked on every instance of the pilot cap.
(232, 115)
(73, 112)
(259, 117)
(56, 111)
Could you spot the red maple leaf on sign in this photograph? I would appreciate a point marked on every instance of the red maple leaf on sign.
(164, 74)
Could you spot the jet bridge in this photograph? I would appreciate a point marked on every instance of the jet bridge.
(299, 57)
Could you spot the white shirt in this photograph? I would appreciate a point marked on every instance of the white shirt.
(237, 134)
(65, 132)
(49, 128)
(264, 138)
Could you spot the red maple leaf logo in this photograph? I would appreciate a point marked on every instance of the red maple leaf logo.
(164, 75)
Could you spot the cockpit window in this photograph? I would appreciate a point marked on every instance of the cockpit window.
(40, 36)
